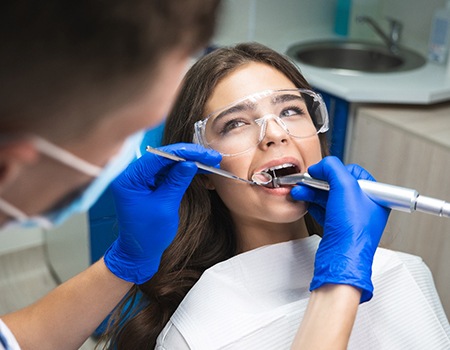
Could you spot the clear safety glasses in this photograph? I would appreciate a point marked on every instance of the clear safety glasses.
(241, 126)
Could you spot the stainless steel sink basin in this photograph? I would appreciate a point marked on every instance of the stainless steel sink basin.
(355, 56)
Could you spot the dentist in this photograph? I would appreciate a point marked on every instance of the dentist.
(79, 81)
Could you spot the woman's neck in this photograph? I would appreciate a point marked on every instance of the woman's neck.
(251, 235)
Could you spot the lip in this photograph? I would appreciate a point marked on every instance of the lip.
(283, 191)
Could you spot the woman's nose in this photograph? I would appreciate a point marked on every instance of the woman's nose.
(274, 133)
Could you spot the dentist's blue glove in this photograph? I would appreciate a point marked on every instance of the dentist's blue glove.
(352, 224)
(147, 197)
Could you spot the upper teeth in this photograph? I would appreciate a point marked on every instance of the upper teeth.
(281, 166)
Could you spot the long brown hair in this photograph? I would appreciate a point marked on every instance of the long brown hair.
(206, 234)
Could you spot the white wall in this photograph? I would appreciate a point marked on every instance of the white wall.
(12, 240)
(416, 16)
(276, 24)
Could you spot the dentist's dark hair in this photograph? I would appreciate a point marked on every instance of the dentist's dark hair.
(206, 233)
(64, 65)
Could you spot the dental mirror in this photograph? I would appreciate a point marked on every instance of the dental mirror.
(262, 178)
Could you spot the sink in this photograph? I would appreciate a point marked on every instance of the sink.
(356, 56)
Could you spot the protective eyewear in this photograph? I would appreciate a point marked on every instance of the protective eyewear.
(241, 126)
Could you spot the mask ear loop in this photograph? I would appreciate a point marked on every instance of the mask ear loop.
(12, 211)
(66, 157)
(20, 216)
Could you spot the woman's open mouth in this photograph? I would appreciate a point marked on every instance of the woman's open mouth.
(266, 176)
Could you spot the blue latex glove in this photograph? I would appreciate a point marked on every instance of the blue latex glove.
(147, 197)
(352, 223)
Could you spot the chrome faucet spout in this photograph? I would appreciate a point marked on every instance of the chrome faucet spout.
(392, 39)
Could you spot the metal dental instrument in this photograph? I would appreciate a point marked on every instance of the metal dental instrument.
(394, 197)
(208, 168)
(390, 196)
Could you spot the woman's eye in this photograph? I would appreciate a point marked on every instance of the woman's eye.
(288, 112)
(231, 125)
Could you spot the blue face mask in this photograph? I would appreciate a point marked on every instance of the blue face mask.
(130, 150)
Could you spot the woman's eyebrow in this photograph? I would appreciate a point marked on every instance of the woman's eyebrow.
(236, 108)
(245, 106)
(286, 98)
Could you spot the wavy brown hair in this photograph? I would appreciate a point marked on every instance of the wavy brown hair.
(206, 234)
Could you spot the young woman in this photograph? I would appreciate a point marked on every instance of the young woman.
(255, 108)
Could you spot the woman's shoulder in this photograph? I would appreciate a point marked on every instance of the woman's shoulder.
(409, 276)
(388, 261)
(171, 338)
(386, 257)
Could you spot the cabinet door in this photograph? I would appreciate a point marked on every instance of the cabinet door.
(402, 158)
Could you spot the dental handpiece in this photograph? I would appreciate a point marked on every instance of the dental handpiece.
(390, 196)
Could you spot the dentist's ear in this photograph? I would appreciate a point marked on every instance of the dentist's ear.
(207, 182)
(15, 154)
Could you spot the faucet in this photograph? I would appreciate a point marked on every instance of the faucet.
(392, 39)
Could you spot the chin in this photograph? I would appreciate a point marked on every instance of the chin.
(287, 215)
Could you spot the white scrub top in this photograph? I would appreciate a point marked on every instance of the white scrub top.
(7, 340)
(256, 300)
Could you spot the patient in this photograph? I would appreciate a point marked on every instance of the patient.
(237, 275)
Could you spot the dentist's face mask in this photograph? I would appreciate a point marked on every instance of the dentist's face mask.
(103, 177)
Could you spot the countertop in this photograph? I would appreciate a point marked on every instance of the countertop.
(426, 85)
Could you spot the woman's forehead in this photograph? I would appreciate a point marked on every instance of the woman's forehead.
(244, 81)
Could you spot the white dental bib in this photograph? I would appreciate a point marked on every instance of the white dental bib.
(256, 300)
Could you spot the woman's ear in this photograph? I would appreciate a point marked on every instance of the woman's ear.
(14, 155)
(207, 182)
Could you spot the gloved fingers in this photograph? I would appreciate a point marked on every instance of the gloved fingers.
(152, 164)
(194, 152)
(309, 194)
(317, 212)
(150, 170)
(316, 198)
(177, 180)
(334, 172)
(188, 151)
(359, 172)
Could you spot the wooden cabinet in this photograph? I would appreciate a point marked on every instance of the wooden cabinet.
(410, 146)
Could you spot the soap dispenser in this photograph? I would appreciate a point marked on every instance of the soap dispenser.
(440, 35)
(342, 16)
